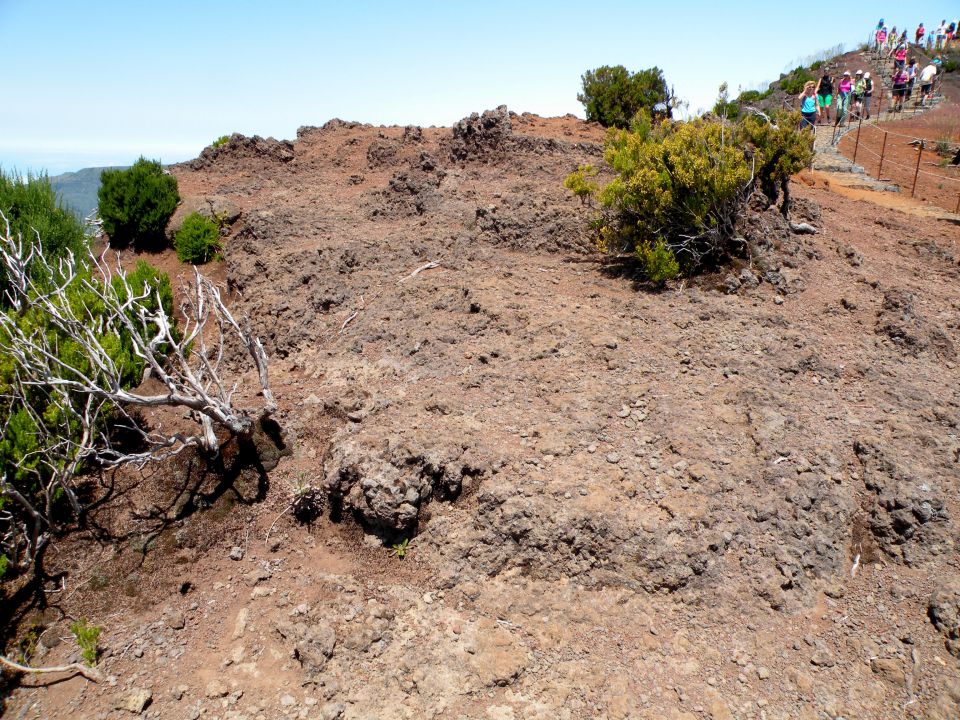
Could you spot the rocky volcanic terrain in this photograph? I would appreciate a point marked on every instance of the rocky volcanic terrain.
(732, 498)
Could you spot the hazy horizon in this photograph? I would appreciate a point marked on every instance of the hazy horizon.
(168, 79)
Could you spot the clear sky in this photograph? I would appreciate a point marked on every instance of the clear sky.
(99, 82)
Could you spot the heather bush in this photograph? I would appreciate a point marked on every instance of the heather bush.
(136, 203)
(681, 187)
(198, 240)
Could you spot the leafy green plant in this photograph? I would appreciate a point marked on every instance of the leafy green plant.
(793, 82)
(222, 140)
(578, 182)
(612, 96)
(87, 637)
(198, 240)
(30, 205)
(400, 549)
(681, 187)
(658, 262)
(136, 203)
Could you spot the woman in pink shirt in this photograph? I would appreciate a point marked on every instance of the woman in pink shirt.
(844, 89)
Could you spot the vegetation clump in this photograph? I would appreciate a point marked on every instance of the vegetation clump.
(681, 187)
(136, 203)
(87, 637)
(612, 96)
(30, 207)
(198, 240)
(222, 140)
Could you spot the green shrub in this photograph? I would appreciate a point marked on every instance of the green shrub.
(34, 422)
(680, 187)
(792, 83)
(87, 637)
(658, 261)
(612, 96)
(579, 184)
(30, 206)
(222, 140)
(136, 203)
(198, 240)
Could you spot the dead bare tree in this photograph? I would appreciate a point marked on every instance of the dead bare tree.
(90, 305)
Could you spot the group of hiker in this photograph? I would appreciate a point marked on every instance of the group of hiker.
(851, 96)
(944, 37)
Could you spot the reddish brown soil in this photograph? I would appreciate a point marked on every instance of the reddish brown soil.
(627, 502)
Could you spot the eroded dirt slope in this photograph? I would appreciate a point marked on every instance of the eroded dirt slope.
(736, 498)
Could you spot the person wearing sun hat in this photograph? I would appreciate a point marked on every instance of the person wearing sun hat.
(844, 88)
(859, 90)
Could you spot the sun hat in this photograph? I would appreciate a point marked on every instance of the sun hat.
(859, 72)
(846, 72)
(866, 75)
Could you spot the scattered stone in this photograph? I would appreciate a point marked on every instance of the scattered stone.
(613, 458)
(944, 612)
(176, 620)
(236, 553)
(332, 711)
(803, 228)
(889, 670)
(217, 689)
(288, 701)
(136, 701)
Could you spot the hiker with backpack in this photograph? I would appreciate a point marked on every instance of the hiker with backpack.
(867, 94)
(824, 94)
(900, 79)
(859, 92)
(912, 71)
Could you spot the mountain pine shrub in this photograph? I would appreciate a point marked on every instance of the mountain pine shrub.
(136, 203)
(612, 96)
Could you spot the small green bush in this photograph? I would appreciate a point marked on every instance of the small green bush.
(30, 206)
(87, 637)
(579, 184)
(136, 203)
(198, 240)
(793, 83)
(222, 140)
(612, 96)
(658, 262)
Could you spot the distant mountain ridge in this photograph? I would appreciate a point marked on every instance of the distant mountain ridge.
(77, 191)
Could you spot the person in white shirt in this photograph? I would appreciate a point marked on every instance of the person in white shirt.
(926, 82)
(941, 34)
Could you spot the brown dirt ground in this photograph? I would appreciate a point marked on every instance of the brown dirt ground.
(677, 504)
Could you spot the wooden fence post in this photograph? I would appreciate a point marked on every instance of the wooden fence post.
(916, 172)
(857, 145)
(883, 149)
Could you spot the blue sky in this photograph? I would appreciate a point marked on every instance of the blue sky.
(101, 82)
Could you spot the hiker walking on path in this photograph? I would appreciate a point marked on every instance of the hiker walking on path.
(867, 94)
(859, 90)
(926, 82)
(921, 31)
(809, 106)
(912, 72)
(844, 90)
(899, 54)
(941, 34)
(900, 79)
(824, 96)
(881, 38)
